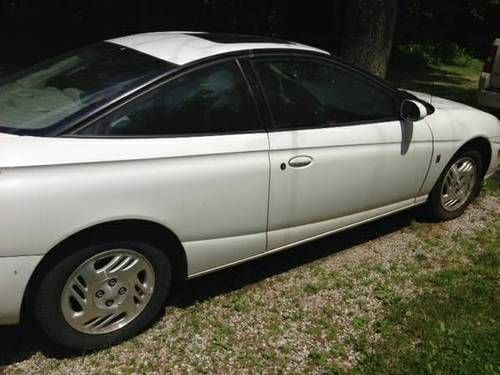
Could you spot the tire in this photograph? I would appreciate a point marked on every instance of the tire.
(82, 286)
(436, 208)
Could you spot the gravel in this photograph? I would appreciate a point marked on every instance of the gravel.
(302, 310)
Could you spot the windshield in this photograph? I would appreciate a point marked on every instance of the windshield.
(49, 94)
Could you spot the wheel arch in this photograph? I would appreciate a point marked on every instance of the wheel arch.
(481, 145)
(129, 229)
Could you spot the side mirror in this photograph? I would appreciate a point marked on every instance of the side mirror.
(412, 110)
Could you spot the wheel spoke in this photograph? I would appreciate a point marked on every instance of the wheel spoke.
(455, 172)
(132, 304)
(449, 180)
(113, 264)
(81, 297)
(105, 321)
(450, 202)
(136, 266)
(449, 199)
(142, 290)
(469, 177)
(89, 313)
(90, 275)
(80, 283)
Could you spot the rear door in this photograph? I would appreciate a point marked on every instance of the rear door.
(339, 153)
(195, 157)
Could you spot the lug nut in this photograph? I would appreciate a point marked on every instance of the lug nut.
(109, 302)
(112, 282)
(99, 294)
(122, 291)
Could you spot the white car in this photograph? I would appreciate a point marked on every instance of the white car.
(138, 160)
(489, 84)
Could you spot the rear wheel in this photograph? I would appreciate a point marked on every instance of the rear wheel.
(457, 186)
(102, 294)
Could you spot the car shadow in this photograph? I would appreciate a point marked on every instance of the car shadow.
(19, 343)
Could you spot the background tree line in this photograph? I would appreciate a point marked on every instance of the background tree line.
(361, 31)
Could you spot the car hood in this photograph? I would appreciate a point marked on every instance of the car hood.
(454, 121)
(438, 102)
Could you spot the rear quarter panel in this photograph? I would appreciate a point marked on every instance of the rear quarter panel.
(210, 191)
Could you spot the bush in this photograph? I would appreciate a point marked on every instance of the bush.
(420, 53)
(455, 55)
(447, 53)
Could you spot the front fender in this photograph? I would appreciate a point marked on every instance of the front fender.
(453, 125)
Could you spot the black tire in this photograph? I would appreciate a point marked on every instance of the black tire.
(435, 208)
(47, 305)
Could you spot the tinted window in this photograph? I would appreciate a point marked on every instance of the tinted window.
(214, 99)
(46, 95)
(305, 92)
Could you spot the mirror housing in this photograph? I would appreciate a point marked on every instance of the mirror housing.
(412, 111)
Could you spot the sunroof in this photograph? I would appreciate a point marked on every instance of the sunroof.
(237, 38)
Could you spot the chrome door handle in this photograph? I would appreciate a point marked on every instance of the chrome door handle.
(300, 161)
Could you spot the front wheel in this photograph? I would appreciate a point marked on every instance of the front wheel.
(457, 186)
(102, 294)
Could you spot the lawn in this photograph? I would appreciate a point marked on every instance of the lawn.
(453, 326)
(399, 295)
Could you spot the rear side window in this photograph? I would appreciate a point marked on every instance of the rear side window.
(49, 95)
(312, 93)
(214, 99)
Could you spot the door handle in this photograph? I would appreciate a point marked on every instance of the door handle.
(300, 161)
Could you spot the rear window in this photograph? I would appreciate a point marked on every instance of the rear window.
(48, 95)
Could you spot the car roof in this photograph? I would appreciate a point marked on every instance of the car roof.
(184, 47)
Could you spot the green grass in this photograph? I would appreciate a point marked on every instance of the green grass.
(454, 326)
(493, 185)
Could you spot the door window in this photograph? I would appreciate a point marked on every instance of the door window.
(312, 93)
(214, 99)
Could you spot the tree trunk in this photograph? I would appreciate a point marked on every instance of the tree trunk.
(368, 34)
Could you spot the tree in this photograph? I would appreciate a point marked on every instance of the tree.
(368, 34)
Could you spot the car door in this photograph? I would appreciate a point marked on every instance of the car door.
(193, 156)
(339, 153)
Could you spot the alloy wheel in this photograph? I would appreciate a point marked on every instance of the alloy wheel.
(108, 291)
(458, 184)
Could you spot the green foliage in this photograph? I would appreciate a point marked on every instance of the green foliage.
(419, 53)
(453, 54)
(472, 24)
(425, 54)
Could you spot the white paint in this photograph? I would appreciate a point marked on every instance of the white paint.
(15, 273)
(180, 48)
(355, 169)
(225, 196)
